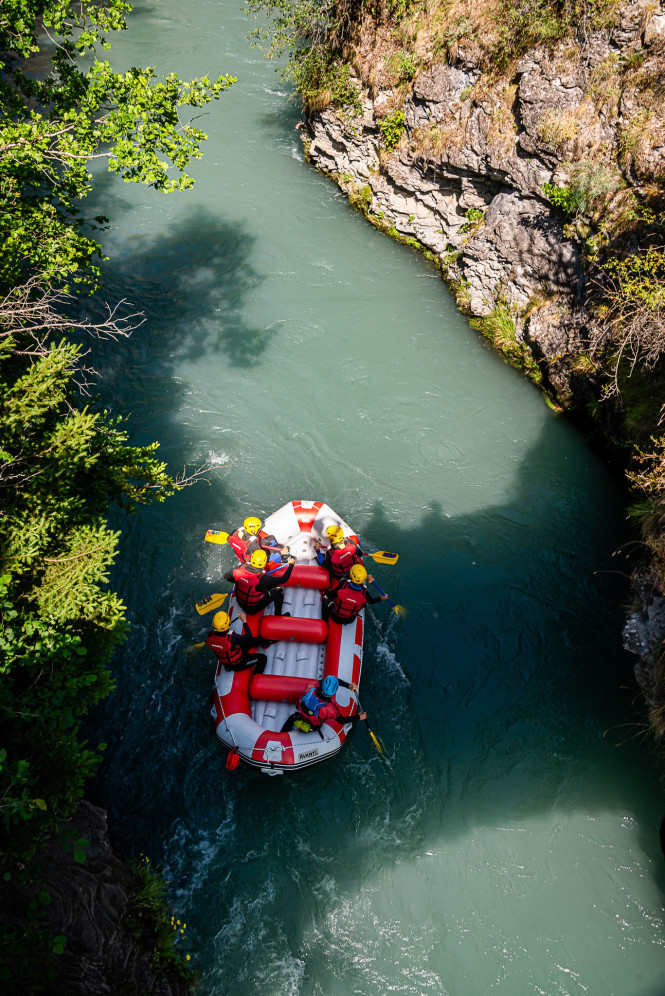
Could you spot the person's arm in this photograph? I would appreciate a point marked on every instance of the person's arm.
(276, 578)
(271, 545)
(229, 577)
(372, 599)
(353, 718)
(244, 640)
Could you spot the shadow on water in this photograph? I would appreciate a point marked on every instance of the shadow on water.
(192, 285)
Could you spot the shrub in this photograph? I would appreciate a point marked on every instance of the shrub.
(400, 67)
(632, 318)
(499, 328)
(392, 128)
(587, 186)
(360, 197)
(474, 219)
(321, 81)
(564, 198)
(557, 128)
(649, 479)
(525, 23)
(399, 9)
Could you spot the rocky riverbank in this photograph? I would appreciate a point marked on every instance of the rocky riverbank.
(114, 930)
(454, 157)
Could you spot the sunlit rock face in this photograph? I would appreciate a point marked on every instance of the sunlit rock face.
(466, 179)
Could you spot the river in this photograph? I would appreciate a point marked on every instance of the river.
(509, 844)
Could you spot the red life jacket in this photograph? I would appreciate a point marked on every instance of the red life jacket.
(246, 580)
(227, 655)
(342, 559)
(244, 544)
(238, 543)
(348, 602)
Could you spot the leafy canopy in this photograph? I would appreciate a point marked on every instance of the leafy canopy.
(63, 459)
(53, 124)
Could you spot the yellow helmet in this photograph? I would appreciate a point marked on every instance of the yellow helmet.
(358, 574)
(252, 525)
(221, 622)
(259, 559)
(335, 534)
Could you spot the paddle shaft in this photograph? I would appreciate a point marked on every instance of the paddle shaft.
(369, 728)
(382, 592)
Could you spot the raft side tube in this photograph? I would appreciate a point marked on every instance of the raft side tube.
(279, 687)
(308, 576)
(293, 629)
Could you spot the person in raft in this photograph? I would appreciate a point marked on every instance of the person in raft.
(340, 557)
(345, 602)
(317, 706)
(232, 649)
(249, 538)
(256, 587)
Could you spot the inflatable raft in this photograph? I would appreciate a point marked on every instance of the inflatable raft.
(250, 709)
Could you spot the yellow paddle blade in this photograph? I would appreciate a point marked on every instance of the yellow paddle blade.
(400, 611)
(210, 603)
(383, 557)
(193, 649)
(216, 536)
(376, 743)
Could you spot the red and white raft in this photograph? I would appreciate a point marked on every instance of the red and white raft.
(250, 709)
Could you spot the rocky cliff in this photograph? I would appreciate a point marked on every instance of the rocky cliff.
(465, 181)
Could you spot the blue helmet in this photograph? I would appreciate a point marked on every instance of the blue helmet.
(329, 686)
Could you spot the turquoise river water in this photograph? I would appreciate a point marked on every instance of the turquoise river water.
(510, 844)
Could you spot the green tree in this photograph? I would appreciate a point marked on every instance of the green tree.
(63, 458)
(313, 33)
(53, 125)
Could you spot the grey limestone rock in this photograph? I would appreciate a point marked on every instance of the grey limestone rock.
(644, 635)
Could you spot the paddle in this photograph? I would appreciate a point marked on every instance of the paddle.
(216, 536)
(210, 603)
(375, 739)
(381, 556)
(399, 609)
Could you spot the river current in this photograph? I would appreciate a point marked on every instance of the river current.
(509, 843)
